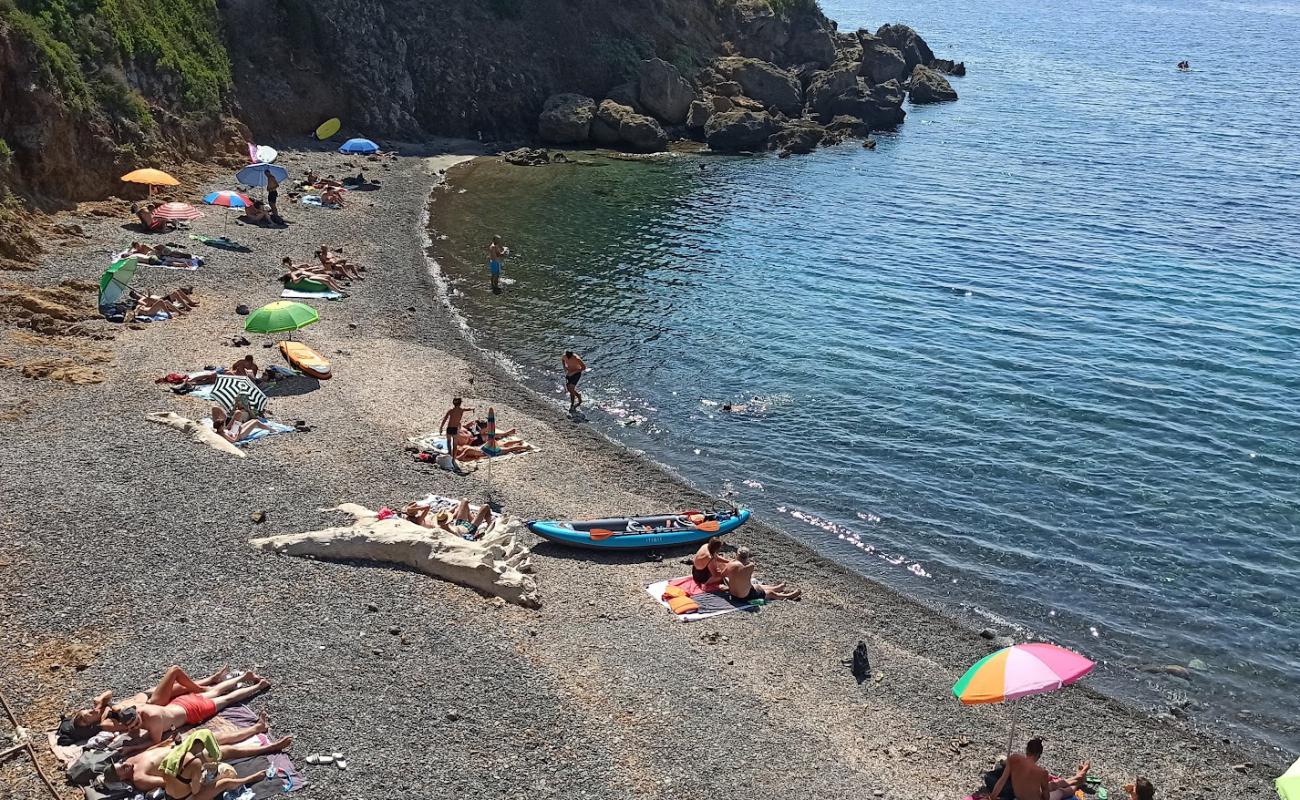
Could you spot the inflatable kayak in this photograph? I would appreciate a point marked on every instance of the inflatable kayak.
(635, 533)
(306, 360)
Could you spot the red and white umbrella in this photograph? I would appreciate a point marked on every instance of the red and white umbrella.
(177, 212)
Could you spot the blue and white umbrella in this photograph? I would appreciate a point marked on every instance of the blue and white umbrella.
(361, 146)
(255, 174)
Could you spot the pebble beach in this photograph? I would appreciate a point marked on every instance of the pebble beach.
(124, 549)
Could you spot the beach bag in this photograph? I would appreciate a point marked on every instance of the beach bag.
(683, 605)
(89, 766)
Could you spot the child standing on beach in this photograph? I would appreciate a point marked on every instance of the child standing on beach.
(496, 252)
(451, 423)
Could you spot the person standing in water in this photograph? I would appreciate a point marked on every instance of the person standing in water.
(496, 252)
(573, 369)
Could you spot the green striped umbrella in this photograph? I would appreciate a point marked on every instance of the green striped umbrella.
(116, 281)
(281, 316)
(1288, 786)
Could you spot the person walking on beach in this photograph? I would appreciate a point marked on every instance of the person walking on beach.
(451, 424)
(272, 191)
(496, 252)
(574, 366)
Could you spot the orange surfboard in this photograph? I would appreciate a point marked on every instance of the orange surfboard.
(306, 360)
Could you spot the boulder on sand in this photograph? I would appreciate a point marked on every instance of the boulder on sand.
(765, 82)
(495, 564)
(566, 119)
(880, 62)
(929, 86)
(908, 42)
(737, 131)
(663, 91)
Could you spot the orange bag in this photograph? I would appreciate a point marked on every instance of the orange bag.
(674, 591)
(683, 605)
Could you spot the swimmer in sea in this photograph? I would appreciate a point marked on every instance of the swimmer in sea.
(496, 252)
(574, 366)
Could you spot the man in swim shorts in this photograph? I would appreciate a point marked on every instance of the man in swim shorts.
(496, 252)
(195, 708)
(574, 366)
(742, 586)
(707, 564)
(1029, 781)
(83, 724)
(451, 424)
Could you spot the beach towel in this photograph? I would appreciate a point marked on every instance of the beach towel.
(436, 444)
(314, 200)
(189, 265)
(300, 295)
(711, 603)
(276, 429)
(222, 243)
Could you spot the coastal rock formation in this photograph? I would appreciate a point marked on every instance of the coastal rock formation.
(798, 137)
(663, 91)
(739, 131)
(496, 564)
(906, 41)
(949, 67)
(617, 124)
(880, 107)
(764, 82)
(566, 119)
(626, 94)
(880, 62)
(929, 86)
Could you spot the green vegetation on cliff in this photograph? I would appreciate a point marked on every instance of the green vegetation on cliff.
(86, 49)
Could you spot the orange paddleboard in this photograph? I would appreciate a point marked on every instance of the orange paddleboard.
(306, 360)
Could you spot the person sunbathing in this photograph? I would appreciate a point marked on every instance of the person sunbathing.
(257, 213)
(155, 720)
(742, 586)
(236, 427)
(201, 770)
(332, 196)
(707, 565)
(336, 262)
(1029, 781)
(467, 450)
(85, 723)
(478, 429)
(164, 254)
(461, 521)
(304, 272)
(145, 214)
(151, 306)
(245, 366)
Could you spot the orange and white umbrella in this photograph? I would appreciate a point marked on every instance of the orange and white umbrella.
(176, 212)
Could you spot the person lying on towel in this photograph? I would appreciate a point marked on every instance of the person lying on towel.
(155, 721)
(194, 767)
(460, 521)
(466, 450)
(165, 254)
(708, 565)
(302, 272)
(742, 586)
(85, 723)
(334, 262)
(237, 426)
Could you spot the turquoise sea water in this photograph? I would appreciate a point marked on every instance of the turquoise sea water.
(1036, 354)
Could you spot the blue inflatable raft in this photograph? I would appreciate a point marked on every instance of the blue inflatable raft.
(639, 533)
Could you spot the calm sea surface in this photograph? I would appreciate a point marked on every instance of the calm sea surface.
(1036, 354)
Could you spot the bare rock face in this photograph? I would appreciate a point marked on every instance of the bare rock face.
(626, 94)
(663, 91)
(739, 131)
(929, 86)
(566, 119)
(811, 43)
(798, 137)
(699, 114)
(949, 67)
(880, 61)
(496, 564)
(828, 85)
(636, 131)
(908, 42)
(879, 107)
(763, 81)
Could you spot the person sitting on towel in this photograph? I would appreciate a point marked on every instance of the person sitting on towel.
(245, 366)
(145, 214)
(742, 586)
(85, 723)
(332, 196)
(237, 426)
(707, 564)
(195, 767)
(1029, 781)
(460, 521)
(257, 213)
(155, 720)
(333, 261)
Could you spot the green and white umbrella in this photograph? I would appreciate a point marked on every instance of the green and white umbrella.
(281, 316)
(1288, 785)
(232, 391)
(116, 281)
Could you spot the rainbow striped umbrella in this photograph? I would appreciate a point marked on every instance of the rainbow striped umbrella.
(1019, 671)
(228, 199)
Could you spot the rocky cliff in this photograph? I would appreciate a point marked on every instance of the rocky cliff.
(92, 88)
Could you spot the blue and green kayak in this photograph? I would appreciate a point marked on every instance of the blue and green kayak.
(639, 533)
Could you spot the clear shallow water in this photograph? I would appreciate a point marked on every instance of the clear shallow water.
(1036, 353)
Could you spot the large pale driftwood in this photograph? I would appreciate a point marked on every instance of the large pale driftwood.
(496, 564)
(198, 432)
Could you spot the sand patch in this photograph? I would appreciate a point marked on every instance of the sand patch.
(56, 369)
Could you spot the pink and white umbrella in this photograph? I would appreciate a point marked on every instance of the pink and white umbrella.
(177, 212)
(261, 154)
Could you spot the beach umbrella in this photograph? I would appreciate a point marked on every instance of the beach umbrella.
(230, 391)
(261, 154)
(1288, 785)
(281, 316)
(151, 178)
(116, 281)
(1019, 671)
(361, 146)
(491, 433)
(228, 200)
(177, 212)
(255, 174)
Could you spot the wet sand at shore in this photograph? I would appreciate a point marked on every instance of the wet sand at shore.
(125, 550)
